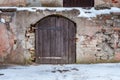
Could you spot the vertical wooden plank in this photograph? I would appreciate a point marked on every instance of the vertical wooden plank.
(43, 41)
(72, 46)
(73, 42)
(76, 3)
(65, 40)
(43, 46)
(52, 40)
(46, 40)
(48, 37)
(69, 41)
(58, 39)
(62, 52)
(61, 25)
(71, 3)
(48, 43)
(40, 45)
(36, 44)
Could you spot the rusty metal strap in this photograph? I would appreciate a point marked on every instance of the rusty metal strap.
(50, 57)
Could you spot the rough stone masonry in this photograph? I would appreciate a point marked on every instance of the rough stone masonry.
(54, 3)
(97, 38)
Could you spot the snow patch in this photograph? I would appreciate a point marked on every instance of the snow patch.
(88, 13)
(2, 20)
(93, 12)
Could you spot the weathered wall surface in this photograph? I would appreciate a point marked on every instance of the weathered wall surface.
(55, 3)
(32, 3)
(52, 3)
(107, 3)
(11, 3)
(97, 38)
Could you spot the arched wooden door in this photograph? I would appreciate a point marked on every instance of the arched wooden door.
(55, 40)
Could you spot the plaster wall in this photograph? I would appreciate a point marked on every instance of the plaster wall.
(97, 39)
(107, 3)
(54, 3)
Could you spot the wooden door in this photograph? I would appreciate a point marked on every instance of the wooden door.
(78, 3)
(55, 40)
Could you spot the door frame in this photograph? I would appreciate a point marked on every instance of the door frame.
(36, 41)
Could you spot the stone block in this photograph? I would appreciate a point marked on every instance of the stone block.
(115, 13)
(12, 3)
(105, 57)
(86, 58)
(7, 18)
(52, 3)
(117, 56)
(109, 22)
(103, 6)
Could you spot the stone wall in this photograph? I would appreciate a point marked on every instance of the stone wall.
(97, 38)
(107, 3)
(32, 3)
(12, 3)
(54, 3)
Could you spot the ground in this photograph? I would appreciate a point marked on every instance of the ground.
(109, 71)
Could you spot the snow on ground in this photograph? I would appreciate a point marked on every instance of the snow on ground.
(62, 72)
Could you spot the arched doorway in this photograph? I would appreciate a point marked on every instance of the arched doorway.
(55, 40)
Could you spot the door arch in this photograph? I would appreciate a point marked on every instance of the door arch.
(55, 40)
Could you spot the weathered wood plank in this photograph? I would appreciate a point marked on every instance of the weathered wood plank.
(73, 46)
(66, 42)
(53, 40)
(36, 46)
(61, 53)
